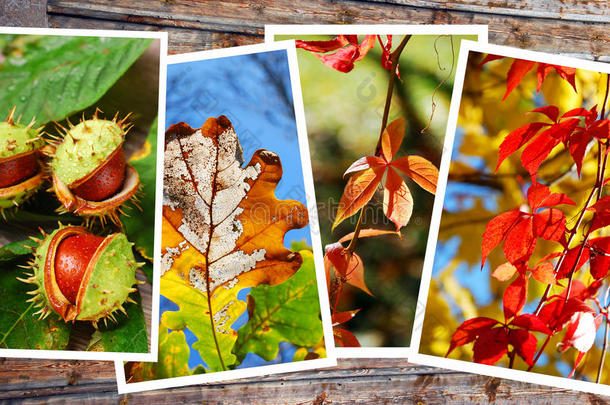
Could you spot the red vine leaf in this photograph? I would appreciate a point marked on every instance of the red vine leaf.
(540, 196)
(518, 69)
(345, 338)
(496, 230)
(504, 272)
(524, 343)
(601, 209)
(342, 317)
(515, 296)
(365, 233)
(599, 257)
(491, 345)
(530, 322)
(348, 51)
(469, 330)
(364, 163)
(516, 139)
(550, 224)
(537, 151)
(520, 241)
(544, 273)
(419, 170)
(391, 138)
(397, 200)
(358, 191)
(351, 272)
(550, 111)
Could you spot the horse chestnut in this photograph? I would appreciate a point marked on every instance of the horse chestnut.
(20, 172)
(81, 276)
(90, 175)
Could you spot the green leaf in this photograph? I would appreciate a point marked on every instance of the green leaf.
(15, 250)
(50, 77)
(194, 314)
(19, 328)
(172, 361)
(138, 224)
(288, 312)
(128, 335)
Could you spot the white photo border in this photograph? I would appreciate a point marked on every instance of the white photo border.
(461, 365)
(272, 30)
(330, 360)
(154, 333)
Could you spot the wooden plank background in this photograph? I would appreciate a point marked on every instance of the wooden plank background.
(576, 28)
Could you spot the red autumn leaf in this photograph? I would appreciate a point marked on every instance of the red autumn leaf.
(397, 200)
(496, 230)
(489, 58)
(579, 112)
(530, 322)
(524, 343)
(566, 73)
(517, 139)
(391, 138)
(520, 241)
(600, 129)
(469, 330)
(351, 272)
(537, 151)
(576, 363)
(550, 111)
(504, 272)
(354, 275)
(419, 170)
(342, 317)
(571, 306)
(577, 146)
(600, 257)
(490, 346)
(342, 60)
(550, 224)
(347, 50)
(569, 261)
(544, 273)
(327, 270)
(539, 196)
(517, 71)
(601, 209)
(386, 54)
(364, 233)
(515, 296)
(358, 191)
(323, 46)
(364, 163)
(345, 338)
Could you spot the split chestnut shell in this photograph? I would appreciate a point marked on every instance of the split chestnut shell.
(90, 175)
(102, 288)
(20, 172)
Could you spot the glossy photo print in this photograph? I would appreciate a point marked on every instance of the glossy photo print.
(242, 284)
(79, 191)
(516, 280)
(376, 101)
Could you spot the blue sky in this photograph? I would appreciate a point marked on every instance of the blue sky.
(254, 92)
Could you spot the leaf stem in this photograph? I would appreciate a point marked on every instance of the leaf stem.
(546, 342)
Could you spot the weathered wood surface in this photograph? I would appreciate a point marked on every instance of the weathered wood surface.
(571, 27)
(552, 26)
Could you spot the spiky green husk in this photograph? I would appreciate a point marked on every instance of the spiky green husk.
(16, 199)
(85, 147)
(109, 284)
(16, 139)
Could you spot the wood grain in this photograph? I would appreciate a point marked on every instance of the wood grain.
(568, 36)
(576, 28)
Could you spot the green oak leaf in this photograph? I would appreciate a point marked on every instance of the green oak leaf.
(172, 361)
(19, 328)
(127, 335)
(288, 312)
(50, 77)
(137, 225)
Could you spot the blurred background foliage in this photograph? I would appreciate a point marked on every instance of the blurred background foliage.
(343, 113)
(459, 289)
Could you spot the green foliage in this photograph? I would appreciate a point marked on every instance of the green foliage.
(128, 335)
(51, 77)
(145, 162)
(19, 328)
(288, 312)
